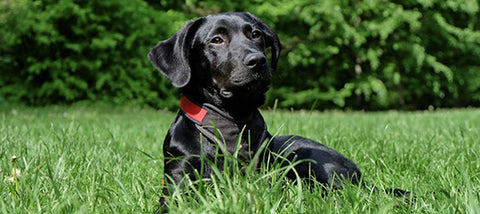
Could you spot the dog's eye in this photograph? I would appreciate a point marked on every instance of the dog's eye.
(256, 34)
(216, 40)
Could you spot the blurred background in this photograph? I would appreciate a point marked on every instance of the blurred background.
(338, 54)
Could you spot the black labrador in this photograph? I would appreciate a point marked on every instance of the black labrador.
(220, 66)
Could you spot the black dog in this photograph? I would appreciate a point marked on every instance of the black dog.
(219, 64)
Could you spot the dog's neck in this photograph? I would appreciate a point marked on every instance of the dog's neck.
(238, 108)
(233, 113)
(198, 111)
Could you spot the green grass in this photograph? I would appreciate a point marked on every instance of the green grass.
(102, 159)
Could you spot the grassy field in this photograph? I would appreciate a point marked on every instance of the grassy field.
(103, 159)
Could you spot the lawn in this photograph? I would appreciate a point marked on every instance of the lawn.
(108, 159)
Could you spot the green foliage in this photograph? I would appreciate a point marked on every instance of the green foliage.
(374, 54)
(377, 54)
(62, 52)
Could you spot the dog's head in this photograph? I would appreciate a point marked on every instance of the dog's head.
(220, 59)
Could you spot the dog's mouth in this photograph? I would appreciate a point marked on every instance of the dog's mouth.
(252, 88)
(226, 93)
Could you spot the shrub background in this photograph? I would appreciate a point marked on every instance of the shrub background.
(371, 54)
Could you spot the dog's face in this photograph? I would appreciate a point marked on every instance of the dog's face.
(231, 50)
(220, 59)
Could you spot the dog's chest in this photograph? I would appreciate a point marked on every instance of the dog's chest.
(235, 138)
(219, 132)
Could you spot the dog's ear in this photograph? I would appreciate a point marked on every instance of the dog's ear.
(171, 56)
(271, 39)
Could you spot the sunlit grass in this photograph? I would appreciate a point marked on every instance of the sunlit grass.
(97, 159)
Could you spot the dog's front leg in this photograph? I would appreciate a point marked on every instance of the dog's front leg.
(316, 161)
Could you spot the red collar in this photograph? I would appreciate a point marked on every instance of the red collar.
(192, 110)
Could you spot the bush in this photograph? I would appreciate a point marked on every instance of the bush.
(87, 50)
(373, 54)
(376, 54)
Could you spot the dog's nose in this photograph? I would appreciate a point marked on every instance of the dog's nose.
(255, 59)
